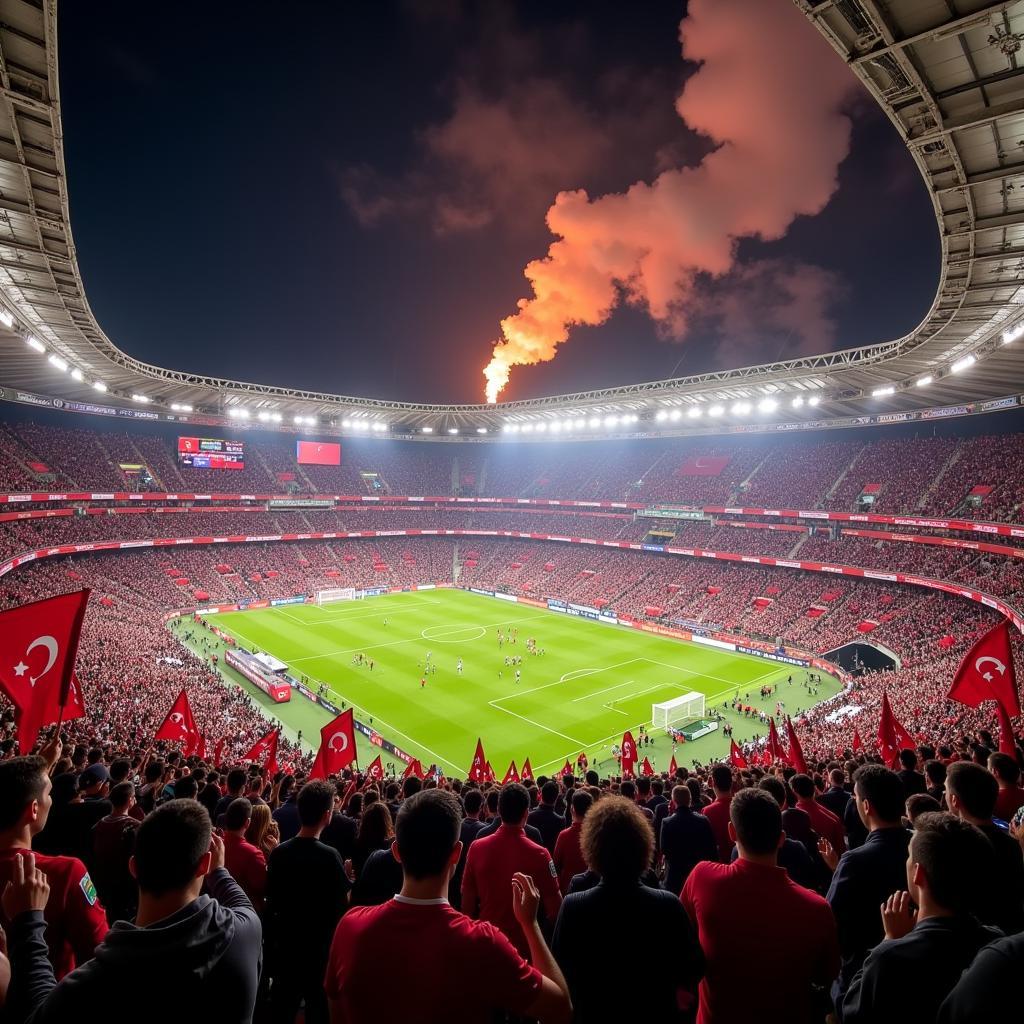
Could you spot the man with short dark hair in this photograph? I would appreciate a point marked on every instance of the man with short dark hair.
(618, 844)
(208, 947)
(544, 819)
(686, 839)
(868, 875)
(113, 841)
(988, 986)
(913, 781)
(717, 812)
(75, 919)
(767, 941)
(822, 820)
(971, 794)
(307, 892)
(906, 977)
(453, 970)
(247, 863)
(935, 776)
(494, 859)
(837, 796)
(568, 854)
(472, 826)
(235, 788)
(1007, 775)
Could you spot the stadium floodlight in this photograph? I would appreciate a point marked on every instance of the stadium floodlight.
(76, 373)
(275, 417)
(55, 360)
(594, 423)
(676, 415)
(99, 386)
(34, 343)
(716, 410)
(813, 400)
(179, 407)
(741, 409)
(963, 364)
(144, 399)
(661, 416)
(611, 421)
(1008, 336)
(694, 412)
(428, 430)
(380, 425)
(6, 319)
(798, 401)
(453, 430)
(541, 427)
(767, 405)
(882, 392)
(923, 382)
(263, 416)
(295, 419)
(556, 427)
(527, 428)
(580, 424)
(567, 424)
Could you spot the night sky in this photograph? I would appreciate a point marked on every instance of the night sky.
(344, 196)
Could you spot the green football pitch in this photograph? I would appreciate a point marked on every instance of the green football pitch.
(592, 682)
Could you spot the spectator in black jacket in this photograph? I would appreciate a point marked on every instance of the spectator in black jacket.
(545, 819)
(935, 776)
(837, 796)
(907, 976)
(618, 844)
(867, 876)
(989, 987)
(913, 781)
(208, 945)
(686, 839)
(971, 794)
(472, 804)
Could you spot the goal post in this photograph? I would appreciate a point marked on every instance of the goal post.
(688, 707)
(333, 594)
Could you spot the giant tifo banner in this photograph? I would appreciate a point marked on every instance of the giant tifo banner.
(704, 465)
(727, 556)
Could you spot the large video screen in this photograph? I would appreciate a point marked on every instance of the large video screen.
(211, 453)
(317, 453)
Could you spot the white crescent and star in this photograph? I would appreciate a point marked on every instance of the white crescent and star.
(52, 653)
(987, 676)
(344, 742)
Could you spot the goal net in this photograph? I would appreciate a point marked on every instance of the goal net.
(333, 594)
(673, 713)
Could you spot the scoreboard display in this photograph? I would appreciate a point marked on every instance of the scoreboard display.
(211, 453)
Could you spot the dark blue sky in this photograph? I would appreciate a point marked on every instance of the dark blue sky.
(270, 192)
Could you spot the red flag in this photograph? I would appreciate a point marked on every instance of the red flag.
(567, 768)
(987, 673)
(892, 737)
(38, 644)
(511, 775)
(478, 769)
(179, 725)
(337, 746)
(775, 751)
(201, 747)
(646, 768)
(490, 776)
(375, 772)
(413, 768)
(629, 755)
(1006, 741)
(672, 766)
(858, 743)
(796, 755)
(735, 755)
(526, 775)
(218, 752)
(265, 745)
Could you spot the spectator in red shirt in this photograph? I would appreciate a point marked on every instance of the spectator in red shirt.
(1011, 795)
(823, 821)
(717, 812)
(245, 862)
(75, 919)
(768, 942)
(568, 855)
(454, 970)
(494, 859)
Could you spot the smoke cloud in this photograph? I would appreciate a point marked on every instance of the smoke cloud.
(769, 95)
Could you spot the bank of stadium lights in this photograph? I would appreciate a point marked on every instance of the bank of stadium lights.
(889, 389)
(481, 430)
(141, 399)
(923, 382)
(76, 374)
(694, 412)
(741, 409)
(962, 364)
(798, 401)
(6, 319)
(1009, 336)
(55, 360)
(98, 385)
(238, 414)
(428, 430)
(716, 410)
(304, 421)
(813, 400)
(180, 407)
(268, 417)
(767, 405)
(35, 344)
(453, 430)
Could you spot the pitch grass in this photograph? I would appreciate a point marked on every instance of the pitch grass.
(593, 682)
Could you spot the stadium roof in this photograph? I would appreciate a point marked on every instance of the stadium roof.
(949, 74)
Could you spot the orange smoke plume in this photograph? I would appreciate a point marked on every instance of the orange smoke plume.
(769, 93)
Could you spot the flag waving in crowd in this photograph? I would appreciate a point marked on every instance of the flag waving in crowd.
(736, 757)
(414, 769)
(526, 775)
(38, 644)
(478, 769)
(179, 726)
(375, 772)
(337, 746)
(512, 775)
(892, 736)
(796, 754)
(628, 754)
(266, 745)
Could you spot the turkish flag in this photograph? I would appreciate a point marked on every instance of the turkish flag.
(986, 672)
(337, 746)
(526, 775)
(775, 751)
(201, 747)
(218, 751)
(629, 755)
(892, 736)
(512, 775)
(1006, 740)
(265, 745)
(179, 725)
(858, 743)
(796, 755)
(478, 769)
(413, 768)
(735, 755)
(489, 775)
(375, 772)
(672, 766)
(38, 644)
(646, 768)
(566, 768)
